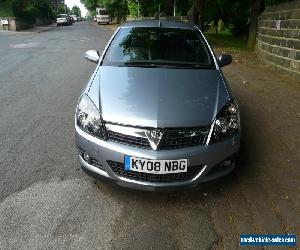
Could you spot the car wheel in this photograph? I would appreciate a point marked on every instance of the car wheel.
(57, 25)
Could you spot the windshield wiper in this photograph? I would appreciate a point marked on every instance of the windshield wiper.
(166, 64)
(140, 64)
(192, 66)
(179, 65)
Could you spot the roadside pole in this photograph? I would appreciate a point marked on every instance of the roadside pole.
(138, 8)
(174, 8)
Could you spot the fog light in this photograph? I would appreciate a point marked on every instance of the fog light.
(227, 163)
(86, 157)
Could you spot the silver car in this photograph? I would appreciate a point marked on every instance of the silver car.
(157, 112)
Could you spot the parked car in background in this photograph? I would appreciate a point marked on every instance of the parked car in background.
(79, 19)
(62, 19)
(74, 17)
(71, 20)
(102, 16)
(158, 112)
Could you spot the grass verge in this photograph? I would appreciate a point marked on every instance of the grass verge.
(227, 41)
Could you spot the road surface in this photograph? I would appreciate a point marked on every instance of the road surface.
(46, 201)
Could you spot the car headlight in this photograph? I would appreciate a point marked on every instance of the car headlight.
(89, 119)
(226, 123)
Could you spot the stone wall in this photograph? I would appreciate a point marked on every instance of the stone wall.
(15, 24)
(278, 41)
(11, 24)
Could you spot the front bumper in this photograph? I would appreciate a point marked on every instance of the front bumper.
(207, 157)
(103, 20)
(62, 22)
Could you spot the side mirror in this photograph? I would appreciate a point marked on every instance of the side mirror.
(92, 55)
(224, 60)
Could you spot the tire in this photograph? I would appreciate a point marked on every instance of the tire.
(57, 25)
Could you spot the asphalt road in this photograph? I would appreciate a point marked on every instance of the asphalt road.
(47, 202)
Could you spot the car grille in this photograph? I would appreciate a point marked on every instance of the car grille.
(118, 169)
(182, 138)
(173, 138)
(129, 140)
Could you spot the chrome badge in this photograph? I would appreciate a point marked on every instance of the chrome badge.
(154, 136)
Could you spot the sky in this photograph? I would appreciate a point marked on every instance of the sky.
(71, 3)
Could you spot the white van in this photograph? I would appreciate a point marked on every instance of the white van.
(102, 16)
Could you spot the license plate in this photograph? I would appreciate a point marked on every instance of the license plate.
(155, 166)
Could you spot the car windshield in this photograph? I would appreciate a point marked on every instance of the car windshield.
(61, 16)
(158, 46)
(103, 12)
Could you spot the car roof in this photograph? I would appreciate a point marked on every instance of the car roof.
(159, 23)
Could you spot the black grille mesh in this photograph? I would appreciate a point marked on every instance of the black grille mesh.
(129, 140)
(182, 138)
(118, 169)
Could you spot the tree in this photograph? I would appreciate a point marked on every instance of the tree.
(61, 9)
(169, 7)
(196, 13)
(147, 8)
(29, 10)
(90, 4)
(256, 6)
(133, 8)
(76, 10)
(200, 4)
(182, 7)
(150, 8)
